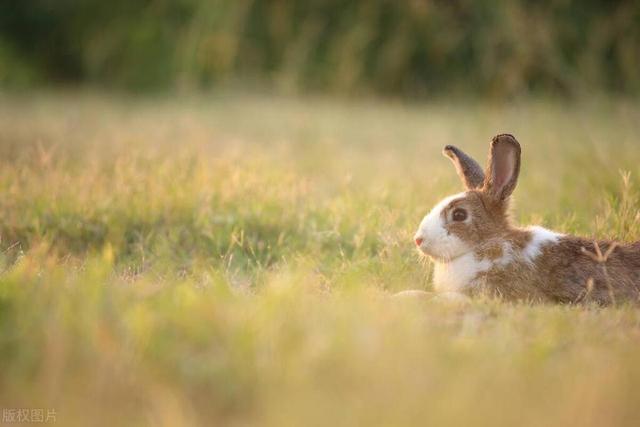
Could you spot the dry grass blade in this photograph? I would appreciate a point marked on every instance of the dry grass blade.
(602, 259)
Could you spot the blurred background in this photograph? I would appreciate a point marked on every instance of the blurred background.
(408, 48)
(206, 205)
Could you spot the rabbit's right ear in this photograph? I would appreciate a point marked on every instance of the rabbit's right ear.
(468, 169)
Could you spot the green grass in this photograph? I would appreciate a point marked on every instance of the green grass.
(228, 261)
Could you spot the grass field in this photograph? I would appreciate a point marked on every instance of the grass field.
(227, 260)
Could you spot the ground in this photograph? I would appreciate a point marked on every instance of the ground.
(228, 260)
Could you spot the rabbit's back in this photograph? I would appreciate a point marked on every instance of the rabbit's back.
(576, 270)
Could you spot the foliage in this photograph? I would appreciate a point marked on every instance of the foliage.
(412, 47)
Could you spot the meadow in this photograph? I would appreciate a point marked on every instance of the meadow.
(228, 260)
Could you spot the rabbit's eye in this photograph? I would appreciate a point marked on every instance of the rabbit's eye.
(459, 215)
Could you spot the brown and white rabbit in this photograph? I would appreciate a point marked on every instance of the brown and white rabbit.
(477, 249)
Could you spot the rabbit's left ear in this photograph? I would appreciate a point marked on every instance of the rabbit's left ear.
(504, 167)
(468, 169)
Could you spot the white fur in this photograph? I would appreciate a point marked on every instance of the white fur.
(455, 275)
(437, 241)
(459, 273)
(456, 265)
(539, 237)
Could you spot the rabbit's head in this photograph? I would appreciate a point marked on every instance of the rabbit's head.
(462, 222)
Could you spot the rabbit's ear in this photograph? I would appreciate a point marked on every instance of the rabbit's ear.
(468, 169)
(504, 167)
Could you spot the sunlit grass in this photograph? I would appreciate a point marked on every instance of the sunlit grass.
(228, 261)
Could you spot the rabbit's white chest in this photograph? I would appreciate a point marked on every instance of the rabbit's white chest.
(458, 274)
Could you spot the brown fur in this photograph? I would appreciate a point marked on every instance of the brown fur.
(487, 220)
(571, 270)
(503, 167)
(563, 273)
(571, 275)
(468, 169)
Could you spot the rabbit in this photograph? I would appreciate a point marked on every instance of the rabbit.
(478, 250)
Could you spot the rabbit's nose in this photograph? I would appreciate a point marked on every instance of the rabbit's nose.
(419, 241)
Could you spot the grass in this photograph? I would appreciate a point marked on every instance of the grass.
(227, 260)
